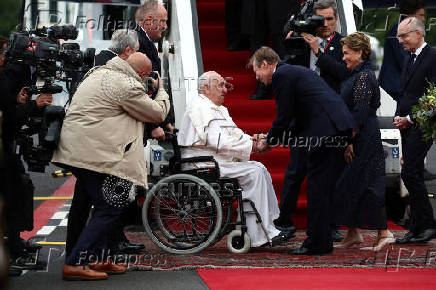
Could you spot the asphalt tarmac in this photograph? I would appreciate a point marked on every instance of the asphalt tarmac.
(51, 277)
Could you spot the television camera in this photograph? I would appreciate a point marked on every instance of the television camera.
(40, 49)
(305, 21)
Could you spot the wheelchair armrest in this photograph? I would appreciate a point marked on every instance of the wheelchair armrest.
(201, 159)
(197, 159)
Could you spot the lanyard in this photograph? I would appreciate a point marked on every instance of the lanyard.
(330, 41)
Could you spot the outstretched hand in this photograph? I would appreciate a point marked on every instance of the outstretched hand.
(259, 144)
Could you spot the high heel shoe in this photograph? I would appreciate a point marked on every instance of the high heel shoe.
(345, 244)
(380, 243)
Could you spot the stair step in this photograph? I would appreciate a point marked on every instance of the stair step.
(244, 85)
(211, 13)
(227, 61)
(213, 36)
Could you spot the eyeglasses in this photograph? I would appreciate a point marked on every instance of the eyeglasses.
(226, 85)
(404, 35)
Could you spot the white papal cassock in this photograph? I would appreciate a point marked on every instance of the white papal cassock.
(207, 129)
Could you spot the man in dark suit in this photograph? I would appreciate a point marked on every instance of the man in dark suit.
(123, 43)
(151, 20)
(311, 115)
(17, 187)
(394, 55)
(419, 70)
(324, 56)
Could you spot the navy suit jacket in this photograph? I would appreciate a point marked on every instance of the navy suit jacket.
(415, 84)
(393, 60)
(306, 105)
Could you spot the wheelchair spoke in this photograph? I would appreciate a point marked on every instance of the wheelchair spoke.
(185, 231)
(171, 208)
(188, 214)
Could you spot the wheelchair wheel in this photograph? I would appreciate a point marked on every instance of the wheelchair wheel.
(238, 244)
(186, 214)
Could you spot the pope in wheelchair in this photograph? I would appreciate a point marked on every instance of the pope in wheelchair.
(208, 130)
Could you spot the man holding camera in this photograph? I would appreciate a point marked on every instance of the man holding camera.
(124, 42)
(107, 160)
(324, 56)
(17, 186)
(324, 50)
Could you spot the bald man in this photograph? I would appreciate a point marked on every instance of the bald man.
(118, 242)
(101, 143)
(208, 130)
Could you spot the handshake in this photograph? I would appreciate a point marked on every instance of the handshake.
(259, 144)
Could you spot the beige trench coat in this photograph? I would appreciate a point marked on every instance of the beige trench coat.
(103, 129)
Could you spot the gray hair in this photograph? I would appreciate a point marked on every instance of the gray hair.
(123, 38)
(205, 79)
(324, 4)
(415, 24)
(149, 6)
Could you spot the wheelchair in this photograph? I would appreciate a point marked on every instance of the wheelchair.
(186, 211)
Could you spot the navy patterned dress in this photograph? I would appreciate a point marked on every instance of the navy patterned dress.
(360, 192)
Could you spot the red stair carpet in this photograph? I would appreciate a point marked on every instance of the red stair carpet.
(250, 116)
(320, 278)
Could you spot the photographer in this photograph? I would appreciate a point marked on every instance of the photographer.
(17, 186)
(323, 54)
(124, 42)
(102, 143)
(324, 50)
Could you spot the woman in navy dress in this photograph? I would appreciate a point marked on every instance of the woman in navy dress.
(360, 195)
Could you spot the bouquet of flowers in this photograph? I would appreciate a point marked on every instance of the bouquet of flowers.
(425, 113)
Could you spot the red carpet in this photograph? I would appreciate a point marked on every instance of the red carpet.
(250, 116)
(319, 278)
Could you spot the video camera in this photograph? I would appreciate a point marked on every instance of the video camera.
(305, 21)
(39, 48)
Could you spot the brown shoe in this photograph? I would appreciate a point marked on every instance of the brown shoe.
(81, 273)
(109, 268)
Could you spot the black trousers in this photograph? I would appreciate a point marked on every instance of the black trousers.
(324, 168)
(17, 192)
(233, 19)
(263, 18)
(93, 239)
(414, 152)
(294, 177)
(79, 213)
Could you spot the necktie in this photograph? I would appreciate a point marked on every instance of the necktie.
(323, 44)
(322, 49)
(410, 64)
